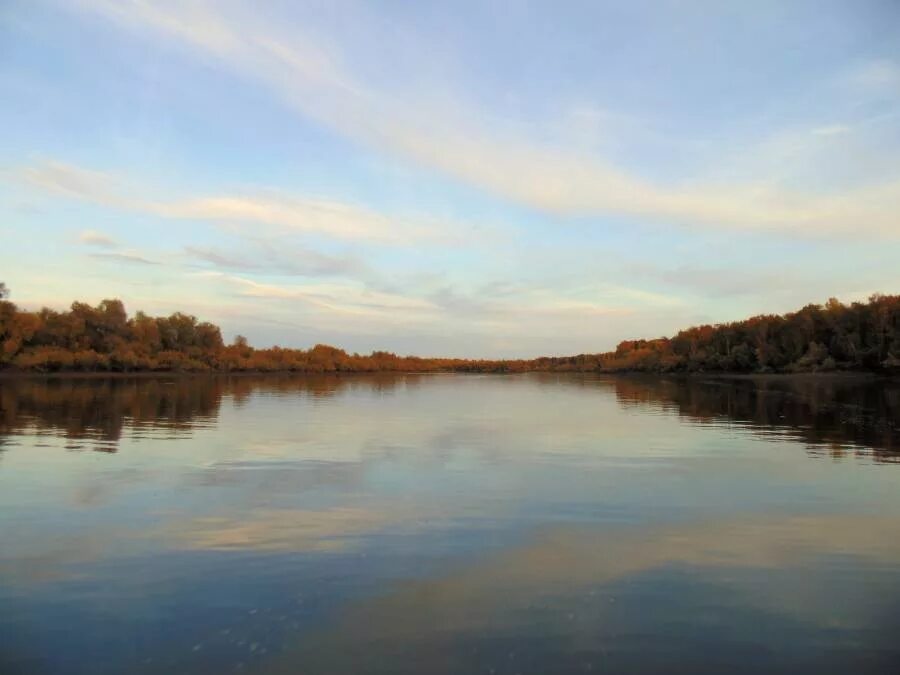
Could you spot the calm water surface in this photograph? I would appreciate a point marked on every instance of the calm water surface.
(449, 524)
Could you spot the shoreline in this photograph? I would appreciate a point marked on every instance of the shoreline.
(764, 377)
(145, 374)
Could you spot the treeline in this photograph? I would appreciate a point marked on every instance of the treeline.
(862, 336)
(859, 336)
(105, 339)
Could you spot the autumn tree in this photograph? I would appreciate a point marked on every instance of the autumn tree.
(859, 336)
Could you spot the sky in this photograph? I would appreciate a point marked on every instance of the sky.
(493, 179)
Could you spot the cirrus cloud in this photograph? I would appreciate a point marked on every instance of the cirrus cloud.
(315, 81)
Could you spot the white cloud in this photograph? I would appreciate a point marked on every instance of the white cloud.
(275, 258)
(313, 80)
(326, 217)
(98, 239)
(831, 130)
(360, 298)
(535, 315)
(73, 181)
(319, 216)
(130, 258)
(879, 76)
(344, 298)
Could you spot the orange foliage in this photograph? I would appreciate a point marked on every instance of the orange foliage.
(861, 336)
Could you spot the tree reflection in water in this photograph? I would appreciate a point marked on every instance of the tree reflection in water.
(833, 416)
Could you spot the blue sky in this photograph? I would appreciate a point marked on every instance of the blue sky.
(467, 179)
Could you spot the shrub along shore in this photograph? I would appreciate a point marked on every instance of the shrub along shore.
(859, 337)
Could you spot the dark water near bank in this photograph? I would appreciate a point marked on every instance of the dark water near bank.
(449, 524)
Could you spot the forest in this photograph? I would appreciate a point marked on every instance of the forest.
(861, 336)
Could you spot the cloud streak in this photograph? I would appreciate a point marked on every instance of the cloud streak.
(360, 297)
(345, 298)
(98, 239)
(314, 81)
(265, 259)
(306, 215)
(128, 258)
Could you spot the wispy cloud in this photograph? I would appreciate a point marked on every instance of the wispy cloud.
(314, 80)
(319, 216)
(264, 258)
(301, 214)
(344, 298)
(358, 297)
(112, 249)
(831, 130)
(98, 239)
(880, 76)
(72, 181)
(128, 258)
(531, 313)
(486, 304)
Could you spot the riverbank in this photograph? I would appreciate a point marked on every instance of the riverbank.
(148, 374)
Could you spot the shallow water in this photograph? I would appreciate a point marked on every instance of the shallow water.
(449, 524)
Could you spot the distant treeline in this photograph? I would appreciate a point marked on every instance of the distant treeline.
(860, 336)
(105, 339)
